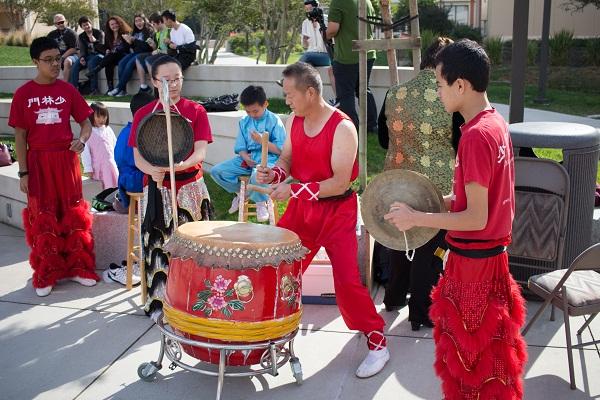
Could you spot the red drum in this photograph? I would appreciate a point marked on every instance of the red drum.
(233, 283)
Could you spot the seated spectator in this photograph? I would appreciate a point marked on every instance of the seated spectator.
(91, 51)
(66, 39)
(182, 43)
(139, 42)
(248, 149)
(130, 177)
(159, 45)
(116, 48)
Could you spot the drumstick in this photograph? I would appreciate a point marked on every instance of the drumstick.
(166, 101)
(265, 149)
(259, 189)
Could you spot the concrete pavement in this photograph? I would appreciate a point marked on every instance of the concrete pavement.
(87, 343)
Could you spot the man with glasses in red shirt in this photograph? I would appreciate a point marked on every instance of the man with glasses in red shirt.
(66, 39)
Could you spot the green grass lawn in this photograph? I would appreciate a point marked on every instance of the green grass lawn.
(13, 55)
(562, 101)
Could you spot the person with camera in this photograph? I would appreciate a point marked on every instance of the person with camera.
(313, 29)
(319, 50)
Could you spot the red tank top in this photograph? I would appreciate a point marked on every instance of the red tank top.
(311, 156)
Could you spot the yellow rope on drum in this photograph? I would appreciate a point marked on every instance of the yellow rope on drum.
(233, 331)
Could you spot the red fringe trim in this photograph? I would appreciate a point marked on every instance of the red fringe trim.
(48, 244)
(43, 223)
(79, 241)
(81, 264)
(497, 339)
(48, 269)
(77, 218)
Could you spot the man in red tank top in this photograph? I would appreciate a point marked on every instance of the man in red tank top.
(320, 152)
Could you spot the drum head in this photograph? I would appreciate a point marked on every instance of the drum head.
(402, 186)
(238, 235)
(235, 245)
(151, 138)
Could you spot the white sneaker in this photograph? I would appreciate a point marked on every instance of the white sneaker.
(235, 205)
(113, 92)
(84, 281)
(262, 212)
(119, 275)
(373, 363)
(44, 291)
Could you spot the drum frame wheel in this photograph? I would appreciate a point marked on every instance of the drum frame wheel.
(170, 345)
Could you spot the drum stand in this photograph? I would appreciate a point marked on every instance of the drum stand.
(274, 357)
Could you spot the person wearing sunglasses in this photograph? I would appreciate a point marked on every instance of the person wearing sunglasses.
(66, 39)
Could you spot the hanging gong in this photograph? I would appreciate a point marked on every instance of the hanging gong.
(151, 138)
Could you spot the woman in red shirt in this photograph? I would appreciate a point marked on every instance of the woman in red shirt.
(193, 201)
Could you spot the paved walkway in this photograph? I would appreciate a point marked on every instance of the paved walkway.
(86, 344)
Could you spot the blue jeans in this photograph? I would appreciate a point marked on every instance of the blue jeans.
(90, 62)
(125, 68)
(316, 59)
(346, 88)
(227, 174)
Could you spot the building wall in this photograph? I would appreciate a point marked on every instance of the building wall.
(583, 24)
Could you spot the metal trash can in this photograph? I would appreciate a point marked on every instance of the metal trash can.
(580, 145)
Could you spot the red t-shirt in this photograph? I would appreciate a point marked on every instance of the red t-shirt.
(485, 156)
(45, 110)
(311, 156)
(189, 109)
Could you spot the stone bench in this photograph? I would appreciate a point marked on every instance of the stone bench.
(214, 80)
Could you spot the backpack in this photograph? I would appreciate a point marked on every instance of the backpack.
(103, 201)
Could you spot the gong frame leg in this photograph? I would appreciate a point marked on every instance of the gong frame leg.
(221, 376)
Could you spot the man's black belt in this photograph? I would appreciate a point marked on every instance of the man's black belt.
(478, 253)
(347, 193)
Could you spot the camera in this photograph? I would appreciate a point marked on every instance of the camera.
(316, 14)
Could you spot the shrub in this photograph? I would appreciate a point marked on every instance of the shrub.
(427, 37)
(560, 43)
(461, 31)
(16, 38)
(592, 48)
(532, 51)
(493, 47)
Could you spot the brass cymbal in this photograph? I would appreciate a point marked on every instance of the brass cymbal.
(404, 186)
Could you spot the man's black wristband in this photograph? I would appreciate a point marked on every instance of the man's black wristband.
(23, 173)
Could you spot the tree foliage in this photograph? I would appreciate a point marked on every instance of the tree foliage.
(579, 5)
(128, 8)
(71, 9)
(216, 19)
(281, 23)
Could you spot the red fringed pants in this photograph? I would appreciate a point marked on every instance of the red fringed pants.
(478, 312)
(57, 221)
(332, 225)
